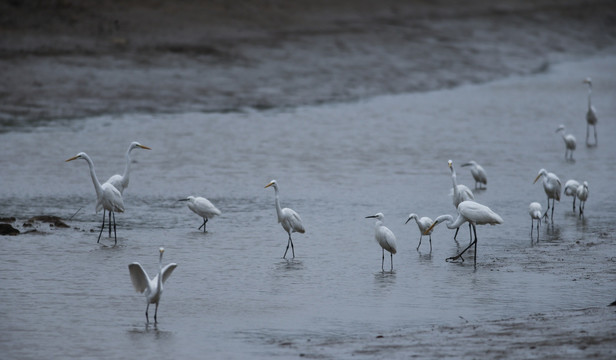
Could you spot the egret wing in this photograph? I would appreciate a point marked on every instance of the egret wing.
(139, 277)
(294, 220)
(167, 270)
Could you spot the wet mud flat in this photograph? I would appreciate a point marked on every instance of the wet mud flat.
(69, 59)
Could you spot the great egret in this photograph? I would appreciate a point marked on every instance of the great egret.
(288, 218)
(385, 238)
(534, 210)
(569, 140)
(571, 190)
(423, 224)
(582, 194)
(552, 188)
(460, 193)
(479, 174)
(107, 196)
(591, 114)
(153, 288)
(202, 207)
(121, 181)
(473, 213)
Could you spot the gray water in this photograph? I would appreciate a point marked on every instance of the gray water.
(232, 295)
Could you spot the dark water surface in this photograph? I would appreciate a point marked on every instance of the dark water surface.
(232, 295)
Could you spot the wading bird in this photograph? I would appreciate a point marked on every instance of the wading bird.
(473, 213)
(121, 181)
(552, 187)
(571, 190)
(479, 174)
(582, 194)
(460, 193)
(423, 224)
(569, 140)
(591, 115)
(288, 218)
(202, 207)
(153, 288)
(385, 238)
(107, 196)
(534, 210)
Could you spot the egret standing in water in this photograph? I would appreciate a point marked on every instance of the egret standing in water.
(202, 207)
(473, 213)
(552, 188)
(460, 193)
(107, 196)
(569, 140)
(288, 218)
(479, 174)
(571, 190)
(121, 181)
(385, 238)
(582, 194)
(591, 115)
(534, 210)
(153, 288)
(423, 224)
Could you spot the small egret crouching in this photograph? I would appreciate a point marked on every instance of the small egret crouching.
(423, 224)
(534, 210)
(582, 194)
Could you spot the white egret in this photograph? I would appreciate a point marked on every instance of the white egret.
(582, 194)
(423, 224)
(479, 174)
(591, 114)
(473, 213)
(107, 196)
(288, 218)
(121, 181)
(202, 207)
(153, 288)
(534, 210)
(569, 140)
(385, 238)
(571, 190)
(460, 193)
(552, 188)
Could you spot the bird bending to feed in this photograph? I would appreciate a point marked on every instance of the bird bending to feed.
(107, 196)
(479, 174)
(202, 207)
(534, 210)
(591, 114)
(569, 140)
(582, 194)
(473, 213)
(153, 288)
(385, 238)
(552, 187)
(571, 190)
(288, 218)
(121, 181)
(460, 193)
(423, 224)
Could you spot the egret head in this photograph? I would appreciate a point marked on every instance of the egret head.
(81, 155)
(542, 172)
(135, 145)
(411, 216)
(450, 163)
(272, 183)
(470, 163)
(561, 127)
(188, 198)
(378, 216)
(586, 185)
(587, 81)
(161, 250)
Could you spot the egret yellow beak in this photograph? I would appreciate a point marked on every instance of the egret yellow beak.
(268, 185)
(537, 178)
(162, 250)
(450, 164)
(144, 147)
(73, 158)
(430, 228)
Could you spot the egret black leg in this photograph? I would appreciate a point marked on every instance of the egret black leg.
(532, 224)
(109, 223)
(430, 243)
(155, 313)
(420, 236)
(383, 261)
(545, 214)
(456, 234)
(115, 235)
(391, 261)
(587, 133)
(288, 243)
(203, 225)
(292, 248)
(475, 260)
(574, 202)
(553, 209)
(595, 129)
(454, 258)
(147, 319)
(470, 233)
(102, 227)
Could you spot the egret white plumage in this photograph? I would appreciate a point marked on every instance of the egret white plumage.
(385, 238)
(473, 213)
(107, 196)
(460, 193)
(534, 210)
(591, 114)
(288, 218)
(479, 174)
(152, 288)
(552, 188)
(571, 190)
(121, 181)
(569, 140)
(423, 224)
(582, 194)
(202, 207)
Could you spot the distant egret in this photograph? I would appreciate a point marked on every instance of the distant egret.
(423, 224)
(582, 194)
(202, 207)
(288, 218)
(569, 140)
(479, 174)
(385, 238)
(473, 213)
(153, 288)
(460, 193)
(121, 181)
(591, 114)
(571, 190)
(107, 196)
(552, 188)
(534, 210)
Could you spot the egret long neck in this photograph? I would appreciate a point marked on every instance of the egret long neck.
(160, 272)
(589, 93)
(278, 208)
(454, 182)
(97, 184)
(127, 168)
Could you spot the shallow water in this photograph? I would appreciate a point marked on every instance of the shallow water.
(232, 295)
